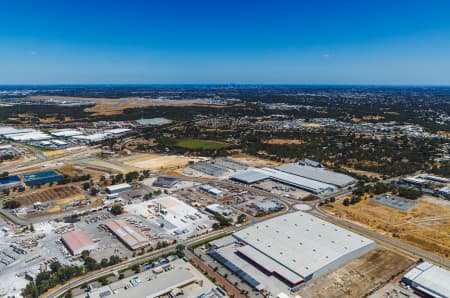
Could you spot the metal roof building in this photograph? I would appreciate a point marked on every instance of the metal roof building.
(118, 188)
(249, 177)
(166, 182)
(317, 174)
(429, 279)
(66, 132)
(256, 175)
(298, 246)
(77, 241)
(128, 235)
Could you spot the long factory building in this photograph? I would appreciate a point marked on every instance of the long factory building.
(295, 248)
(315, 179)
(133, 239)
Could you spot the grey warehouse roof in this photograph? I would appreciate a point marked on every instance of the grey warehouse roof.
(318, 174)
(304, 243)
(250, 177)
(283, 177)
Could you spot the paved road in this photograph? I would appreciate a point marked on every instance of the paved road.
(220, 280)
(91, 276)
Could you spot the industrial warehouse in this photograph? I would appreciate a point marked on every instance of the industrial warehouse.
(77, 241)
(309, 176)
(128, 235)
(428, 279)
(294, 248)
(257, 175)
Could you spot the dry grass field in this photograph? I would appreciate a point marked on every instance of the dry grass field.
(59, 195)
(283, 142)
(254, 161)
(155, 162)
(359, 277)
(427, 226)
(104, 165)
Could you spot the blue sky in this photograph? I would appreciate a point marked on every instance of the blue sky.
(233, 41)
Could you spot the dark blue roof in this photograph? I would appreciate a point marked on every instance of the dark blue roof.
(9, 179)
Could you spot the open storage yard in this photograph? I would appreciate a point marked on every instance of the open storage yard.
(427, 226)
(359, 277)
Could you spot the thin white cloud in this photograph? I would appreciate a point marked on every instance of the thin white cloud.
(326, 55)
(34, 53)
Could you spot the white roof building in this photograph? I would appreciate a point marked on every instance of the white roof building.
(317, 173)
(116, 131)
(298, 246)
(117, 188)
(67, 132)
(91, 138)
(429, 279)
(34, 135)
(256, 175)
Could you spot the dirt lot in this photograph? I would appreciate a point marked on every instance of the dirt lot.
(360, 172)
(359, 277)
(427, 226)
(254, 161)
(156, 162)
(113, 106)
(103, 165)
(60, 195)
(283, 142)
(79, 171)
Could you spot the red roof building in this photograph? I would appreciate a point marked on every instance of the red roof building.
(77, 241)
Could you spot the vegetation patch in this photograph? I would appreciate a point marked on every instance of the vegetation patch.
(198, 144)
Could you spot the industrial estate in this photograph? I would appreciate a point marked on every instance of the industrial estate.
(224, 191)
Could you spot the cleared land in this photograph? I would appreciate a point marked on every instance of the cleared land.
(198, 144)
(105, 165)
(156, 162)
(59, 195)
(114, 106)
(359, 277)
(427, 226)
(283, 142)
(254, 161)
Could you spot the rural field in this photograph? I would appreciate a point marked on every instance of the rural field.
(197, 144)
(359, 277)
(427, 226)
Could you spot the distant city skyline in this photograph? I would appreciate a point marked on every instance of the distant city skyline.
(225, 42)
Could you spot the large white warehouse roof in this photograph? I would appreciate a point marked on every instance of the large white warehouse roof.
(318, 174)
(256, 175)
(430, 279)
(304, 244)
